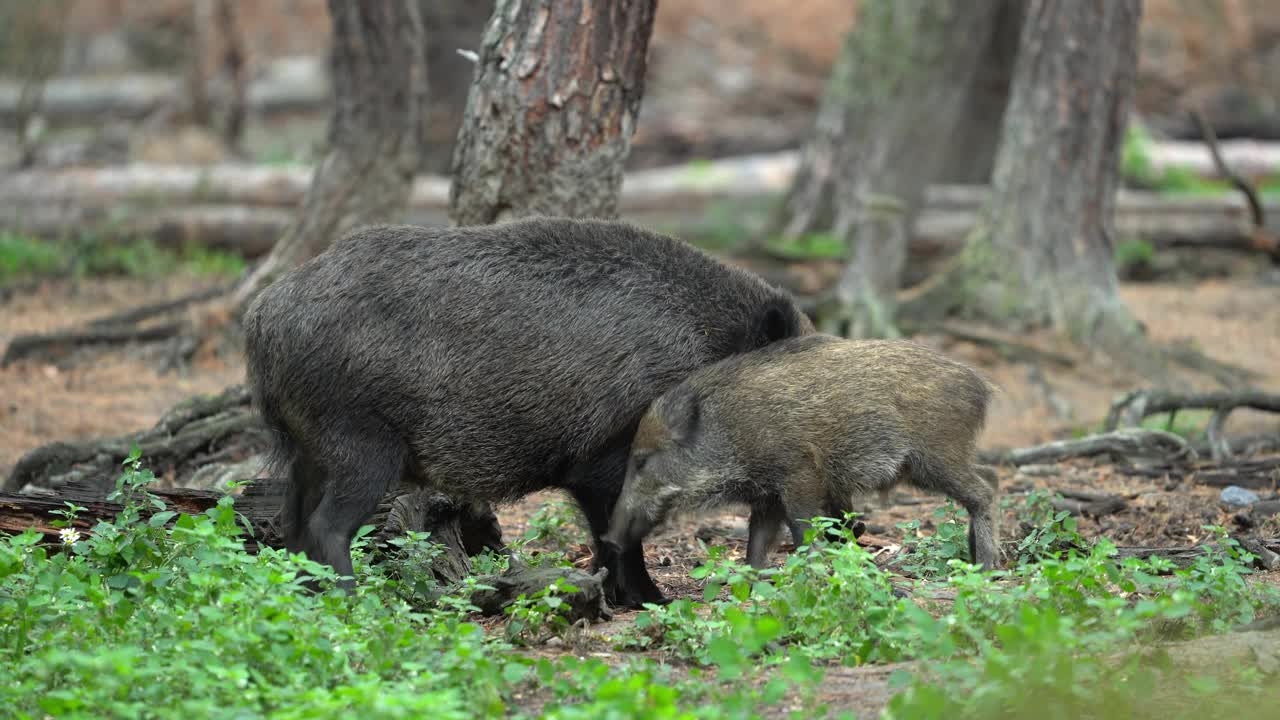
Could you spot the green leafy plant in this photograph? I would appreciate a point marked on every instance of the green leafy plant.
(930, 556)
(535, 619)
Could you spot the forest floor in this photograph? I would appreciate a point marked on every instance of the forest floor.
(1232, 319)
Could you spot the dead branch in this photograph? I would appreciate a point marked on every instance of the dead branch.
(1133, 407)
(1128, 443)
(1263, 240)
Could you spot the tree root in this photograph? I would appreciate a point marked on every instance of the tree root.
(1226, 374)
(1006, 344)
(184, 432)
(1127, 443)
(49, 346)
(1134, 406)
(123, 328)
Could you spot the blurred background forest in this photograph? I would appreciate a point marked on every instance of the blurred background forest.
(1079, 198)
(155, 151)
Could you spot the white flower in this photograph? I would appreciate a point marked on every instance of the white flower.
(69, 536)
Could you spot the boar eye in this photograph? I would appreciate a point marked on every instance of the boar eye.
(639, 461)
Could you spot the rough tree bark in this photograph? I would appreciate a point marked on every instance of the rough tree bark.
(376, 132)
(551, 111)
(1043, 254)
(883, 126)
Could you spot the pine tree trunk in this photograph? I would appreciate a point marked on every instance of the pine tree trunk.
(883, 128)
(1043, 254)
(552, 109)
(376, 132)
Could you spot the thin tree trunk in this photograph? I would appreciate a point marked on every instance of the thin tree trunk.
(552, 109)
(235, 63)
(199, 106)
(901, 80)
(1043, 255)
(376, 132)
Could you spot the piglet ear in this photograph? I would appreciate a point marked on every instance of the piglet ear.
(682, 413)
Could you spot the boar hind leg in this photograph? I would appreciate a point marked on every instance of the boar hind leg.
(974, 491)
(762, 530)
(303, 493)
(362, 465)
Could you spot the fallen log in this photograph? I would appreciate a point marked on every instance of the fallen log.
(287, 85)
(748, 178)
(252, 229)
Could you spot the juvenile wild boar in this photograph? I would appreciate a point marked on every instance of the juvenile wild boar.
(488, 362)
(801, 427)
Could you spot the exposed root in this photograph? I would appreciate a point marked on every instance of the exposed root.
(1009, 347)
(181, 436)
(50, 346)
(1132, 407)
(166, 307)
(115, 329)
(1129, 443)
(1226, 374)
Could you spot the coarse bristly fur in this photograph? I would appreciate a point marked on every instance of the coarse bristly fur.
(800, 428)
(489, 362)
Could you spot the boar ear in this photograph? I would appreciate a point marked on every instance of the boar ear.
(775, 324)
(683, 413)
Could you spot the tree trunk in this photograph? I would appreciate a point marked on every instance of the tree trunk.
(971, 150)
(552, 109)
(1043, 255)
(883, 127)
(376, 132)
(235, 63)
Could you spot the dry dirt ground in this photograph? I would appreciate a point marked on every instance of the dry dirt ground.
(1234, 320)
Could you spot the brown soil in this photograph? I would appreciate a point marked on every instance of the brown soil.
(1234, 320)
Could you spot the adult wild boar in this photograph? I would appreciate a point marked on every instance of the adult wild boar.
(489, 362)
